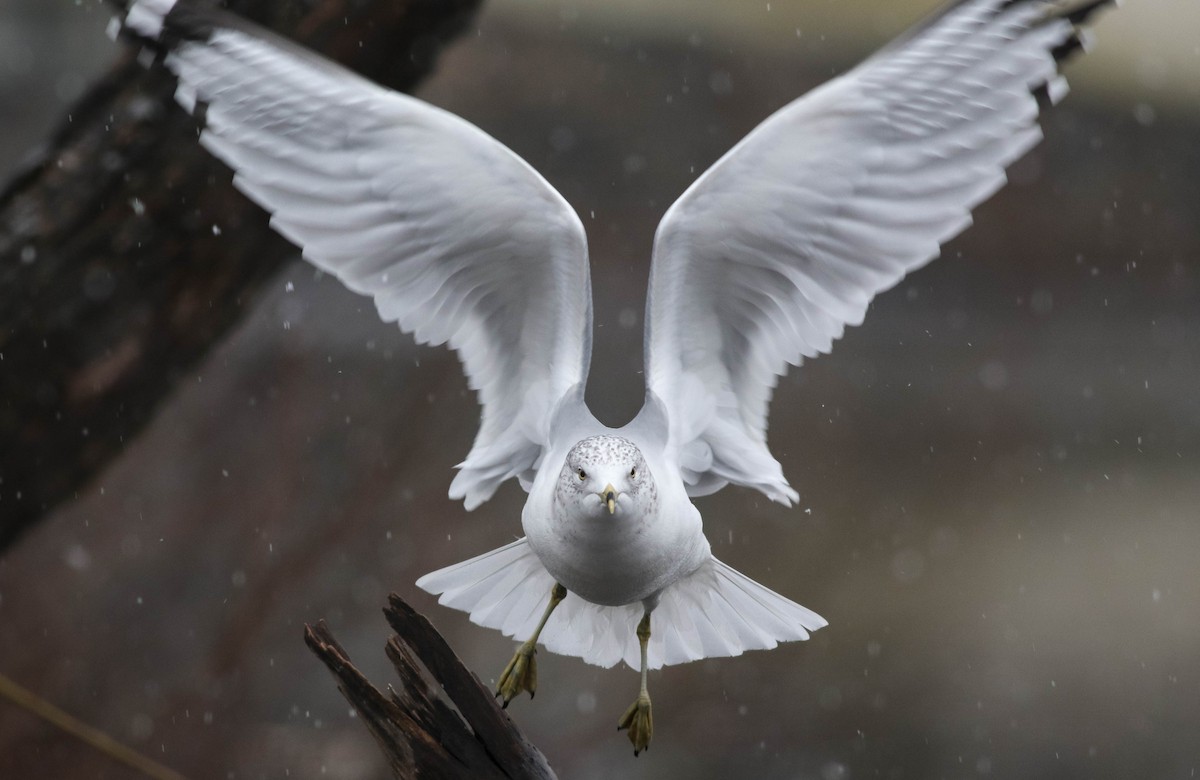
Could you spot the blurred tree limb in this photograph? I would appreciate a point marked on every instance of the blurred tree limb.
(36, 705)
(442, 722)
(126, 254)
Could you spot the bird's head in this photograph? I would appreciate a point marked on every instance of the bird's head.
(605, 477)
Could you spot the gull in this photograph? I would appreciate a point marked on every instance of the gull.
(762, 262)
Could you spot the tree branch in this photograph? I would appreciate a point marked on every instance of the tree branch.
(442, 722)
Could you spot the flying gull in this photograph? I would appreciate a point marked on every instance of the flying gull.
(762, 262)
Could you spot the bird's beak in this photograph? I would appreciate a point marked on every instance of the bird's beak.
(609, 497)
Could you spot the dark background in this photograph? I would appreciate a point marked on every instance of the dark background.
(998, 471)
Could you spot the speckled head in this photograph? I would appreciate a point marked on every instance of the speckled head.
(604, 476)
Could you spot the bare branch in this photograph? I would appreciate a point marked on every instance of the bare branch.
(442, 722)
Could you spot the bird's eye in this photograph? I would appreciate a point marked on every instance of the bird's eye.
(582, 474)
(633, 473)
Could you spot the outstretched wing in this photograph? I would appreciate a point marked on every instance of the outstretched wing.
(779, 246)
(456, 238)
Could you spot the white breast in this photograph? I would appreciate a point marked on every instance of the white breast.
(622, 558)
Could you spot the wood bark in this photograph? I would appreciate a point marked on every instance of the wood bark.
(442, 722)
(125, 252)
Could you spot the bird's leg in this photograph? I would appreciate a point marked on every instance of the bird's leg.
(521, 672)
(638, 718)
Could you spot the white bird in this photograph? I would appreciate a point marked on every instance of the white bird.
(762, 262)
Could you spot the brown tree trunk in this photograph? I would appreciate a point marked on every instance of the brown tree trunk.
(125, 252)
(418, 731)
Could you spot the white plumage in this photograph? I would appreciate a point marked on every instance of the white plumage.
(456, 238)
(713, 612)
(761, 263)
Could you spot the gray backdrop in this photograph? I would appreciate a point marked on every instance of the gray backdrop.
(997, 471)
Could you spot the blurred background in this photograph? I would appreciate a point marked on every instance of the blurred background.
(998, 470)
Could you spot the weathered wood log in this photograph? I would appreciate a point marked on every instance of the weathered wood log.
(416, 727)
(125, 253)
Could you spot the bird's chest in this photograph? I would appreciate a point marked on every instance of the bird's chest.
(619, 559)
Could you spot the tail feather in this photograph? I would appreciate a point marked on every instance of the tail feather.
(713, 612)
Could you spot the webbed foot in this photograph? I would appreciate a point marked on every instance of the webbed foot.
(519, 675)
(638, 720)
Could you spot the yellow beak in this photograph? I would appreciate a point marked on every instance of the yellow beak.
(609, 497)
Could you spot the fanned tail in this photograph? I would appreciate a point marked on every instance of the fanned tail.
(713, 612)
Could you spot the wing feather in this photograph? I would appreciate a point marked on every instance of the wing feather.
(455, 238)
(785, 241)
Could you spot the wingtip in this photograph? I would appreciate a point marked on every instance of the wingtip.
(146, 17)
(160, 23)
(1081, 15)
(1080, 39)
(786, 495)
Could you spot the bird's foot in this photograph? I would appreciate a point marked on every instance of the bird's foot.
(519, 675)
(638, 720)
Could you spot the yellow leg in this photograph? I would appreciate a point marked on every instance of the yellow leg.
(638, 718)
(521, 672)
